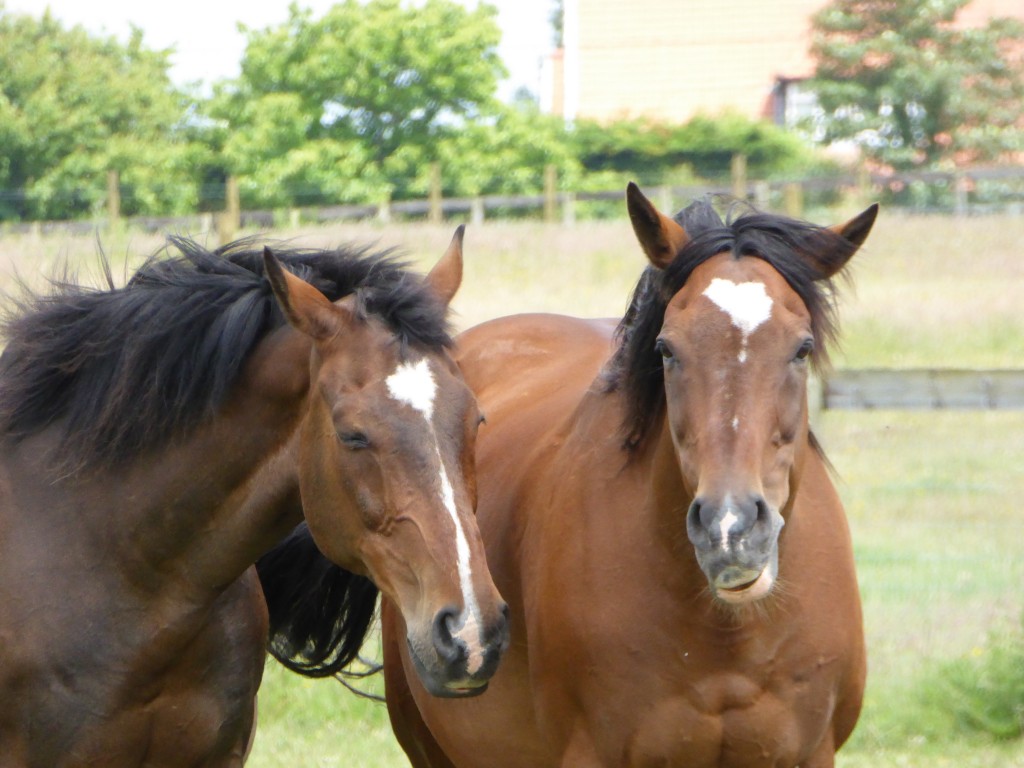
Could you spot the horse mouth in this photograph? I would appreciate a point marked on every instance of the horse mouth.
(463, 691)
(749, 591)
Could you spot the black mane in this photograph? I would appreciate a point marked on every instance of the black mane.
(794, 248)
(122, 370)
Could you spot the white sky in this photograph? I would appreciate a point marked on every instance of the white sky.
(209, 47)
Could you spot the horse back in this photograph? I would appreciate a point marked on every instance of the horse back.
(531, 362)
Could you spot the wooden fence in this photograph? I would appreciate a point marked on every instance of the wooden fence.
(554, 204)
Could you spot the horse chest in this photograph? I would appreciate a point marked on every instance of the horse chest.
(722, 718)
(693, 700)
(677, 731)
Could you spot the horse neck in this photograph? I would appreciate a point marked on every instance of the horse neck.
(215, 500)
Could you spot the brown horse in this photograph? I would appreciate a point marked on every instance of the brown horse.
(656, 511)
(155, 439)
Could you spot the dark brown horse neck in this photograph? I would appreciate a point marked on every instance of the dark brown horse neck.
(178, 524)
(216, 499)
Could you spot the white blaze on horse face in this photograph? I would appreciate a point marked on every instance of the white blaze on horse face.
(414, 385)
(748, 306)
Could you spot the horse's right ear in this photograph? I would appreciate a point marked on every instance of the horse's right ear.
(304, 306)
(446, 276)
(659, 236)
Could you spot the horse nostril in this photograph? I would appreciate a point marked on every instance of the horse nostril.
(693, 515)
(763, 513)
(501, 626)
(444, 642)
(696, 526)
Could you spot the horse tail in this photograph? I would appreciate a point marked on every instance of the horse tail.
(320, 613)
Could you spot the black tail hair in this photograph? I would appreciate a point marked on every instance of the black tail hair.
(320, 613)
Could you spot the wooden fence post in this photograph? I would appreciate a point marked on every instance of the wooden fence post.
(960, 186)
(665, 202)
(436, 213)
(793, 200)
(569, 209)
(738, 172)
(114, 198)
(229, 222)
(476, 210)
(384, 210)
(550, 193)
(863, 186)
(762, 195)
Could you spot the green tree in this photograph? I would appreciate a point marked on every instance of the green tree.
(507, 154)
(73, 106)
(557, 19)
(376, 84)
(653, 152)
(911, 87)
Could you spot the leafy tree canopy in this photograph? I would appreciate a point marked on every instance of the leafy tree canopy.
(652, 150)
(912, 88)
(507, 153)
(73, 106)
(371, 81)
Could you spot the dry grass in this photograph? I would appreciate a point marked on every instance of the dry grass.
(927, 291)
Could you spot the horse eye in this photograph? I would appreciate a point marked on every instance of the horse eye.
(805, 350)
(663, 349)
(355, 441)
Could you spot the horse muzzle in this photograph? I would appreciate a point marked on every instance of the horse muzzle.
(736, 544)
(461, 654)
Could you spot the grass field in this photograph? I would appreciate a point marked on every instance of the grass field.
(931, 496)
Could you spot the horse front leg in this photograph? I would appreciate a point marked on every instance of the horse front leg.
(824, 755)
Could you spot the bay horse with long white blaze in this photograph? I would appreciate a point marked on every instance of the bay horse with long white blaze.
(156, 439)
(657, 513)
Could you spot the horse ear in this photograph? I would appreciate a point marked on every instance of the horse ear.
(659, 236)
(857, 229)
(855, 232)
(304, 306)
(446, 276)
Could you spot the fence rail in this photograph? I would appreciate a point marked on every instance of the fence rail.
(923, 389)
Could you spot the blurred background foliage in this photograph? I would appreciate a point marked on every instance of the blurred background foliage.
(352, 106)
(355, 105)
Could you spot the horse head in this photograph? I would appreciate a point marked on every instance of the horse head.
(386, 472)
(746, 311)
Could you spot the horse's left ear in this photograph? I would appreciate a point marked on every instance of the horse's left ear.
(855, 232)
(446, 276)
(304, 306)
